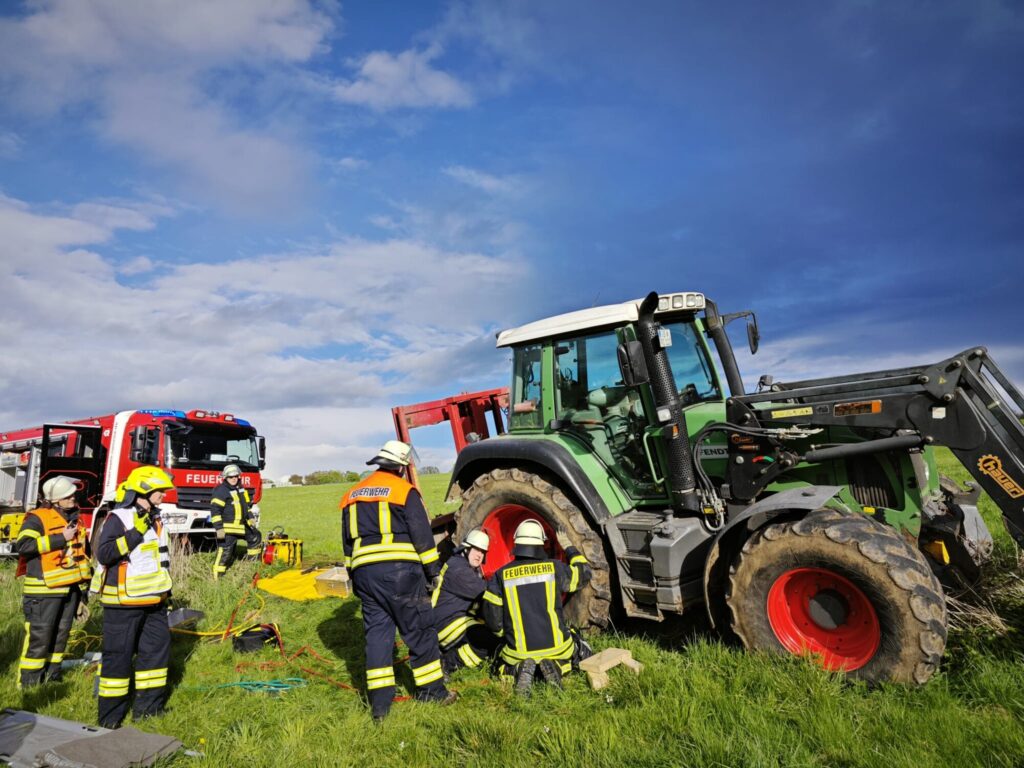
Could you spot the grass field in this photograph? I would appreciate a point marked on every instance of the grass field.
(698, 702)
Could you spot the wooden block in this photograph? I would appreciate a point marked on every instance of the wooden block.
(598, 680)
(606, 659)
(634, 665)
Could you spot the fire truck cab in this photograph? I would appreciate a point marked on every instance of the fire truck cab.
(99, 452)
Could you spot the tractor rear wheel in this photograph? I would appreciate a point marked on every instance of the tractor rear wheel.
(501, 499)
(844, 588)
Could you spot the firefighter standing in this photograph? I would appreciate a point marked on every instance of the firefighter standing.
(231, 515)
(136, 586)
(51, 550)
(523, 603)
(464, 640)
(389, 549)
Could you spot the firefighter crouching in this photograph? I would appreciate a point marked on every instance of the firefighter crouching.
(135, 586)
(52, 559)
(231, 515)
(523, 603)
(464, 639)
(390, 552)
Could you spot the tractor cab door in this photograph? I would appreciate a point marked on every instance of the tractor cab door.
(75, 451)
(594, 404)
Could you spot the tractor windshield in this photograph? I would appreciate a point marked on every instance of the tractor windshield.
(690, 365)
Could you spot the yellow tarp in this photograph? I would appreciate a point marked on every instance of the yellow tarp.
(292, 584)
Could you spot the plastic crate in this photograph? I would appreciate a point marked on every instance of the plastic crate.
(334, 583)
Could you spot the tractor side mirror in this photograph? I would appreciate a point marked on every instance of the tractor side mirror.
(632, 364)
(753, 334)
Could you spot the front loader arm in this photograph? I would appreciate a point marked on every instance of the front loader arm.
(965, 403)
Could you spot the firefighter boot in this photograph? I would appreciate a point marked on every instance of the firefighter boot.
(551, 672)
(524, 677)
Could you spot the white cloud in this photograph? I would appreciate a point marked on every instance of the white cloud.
(10, 144)
(312, 346)
(347, 164)
(390, 81)
(479, 180)
(145, 71)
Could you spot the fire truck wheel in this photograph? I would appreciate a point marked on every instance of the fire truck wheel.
(502, 498)
(845, 589)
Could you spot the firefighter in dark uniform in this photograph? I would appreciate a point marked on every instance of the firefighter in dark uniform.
(523, 603)
(135, 586)
(464, 639)
(390, 552)
(52, 559)
(231, 515)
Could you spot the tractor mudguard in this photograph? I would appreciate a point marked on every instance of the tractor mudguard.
(478, 458)
(804, 499)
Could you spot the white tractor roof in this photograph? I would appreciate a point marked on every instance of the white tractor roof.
(597, 317)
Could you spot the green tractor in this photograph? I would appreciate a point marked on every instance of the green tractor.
(808, 517)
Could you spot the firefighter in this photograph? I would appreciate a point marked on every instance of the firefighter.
(523, 604)
(231, 515)
(464, 639)
(52, 558)
(390, 552)
(135, 587)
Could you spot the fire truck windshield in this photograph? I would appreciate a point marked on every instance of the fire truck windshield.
(191, 446)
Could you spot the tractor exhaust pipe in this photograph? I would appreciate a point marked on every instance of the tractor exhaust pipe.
(681, 477)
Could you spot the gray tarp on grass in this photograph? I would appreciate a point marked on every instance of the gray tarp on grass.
(28, 740)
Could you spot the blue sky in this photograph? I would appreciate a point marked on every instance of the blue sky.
(308, 212)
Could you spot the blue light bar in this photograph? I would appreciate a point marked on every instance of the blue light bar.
(159, 412)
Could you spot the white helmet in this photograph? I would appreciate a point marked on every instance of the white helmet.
(530, 532)
(393, 452)
(60, 487)
(478, 539)
(231, 470)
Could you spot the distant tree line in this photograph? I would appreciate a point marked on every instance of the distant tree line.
(327, 476)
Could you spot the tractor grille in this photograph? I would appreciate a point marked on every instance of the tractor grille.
(194, 498)
(869, 483)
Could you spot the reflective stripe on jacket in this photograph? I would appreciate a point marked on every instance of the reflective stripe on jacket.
(136, 565)
(50, 564)
(523, 603)
(229, 508)
(383, 519)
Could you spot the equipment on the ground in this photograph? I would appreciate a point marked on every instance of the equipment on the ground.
(806, 517)
(282, 548)
(256, 637)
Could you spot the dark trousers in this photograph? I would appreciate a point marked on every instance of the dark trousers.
(226, 549)
(144, 634)
(476, 646)
(47, 626)
(394, 594)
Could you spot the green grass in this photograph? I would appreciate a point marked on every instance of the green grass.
(697, 702)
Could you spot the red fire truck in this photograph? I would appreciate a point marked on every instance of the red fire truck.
(98, 453)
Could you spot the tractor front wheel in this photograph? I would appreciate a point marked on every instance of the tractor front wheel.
(845, 589)
(501, 499)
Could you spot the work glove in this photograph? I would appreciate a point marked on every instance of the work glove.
(562, 537)
(82, 612)
(142, 523)
(432, 584)
(220, 534)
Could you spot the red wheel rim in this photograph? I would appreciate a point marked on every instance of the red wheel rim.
(500, 525)
(818, 611)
